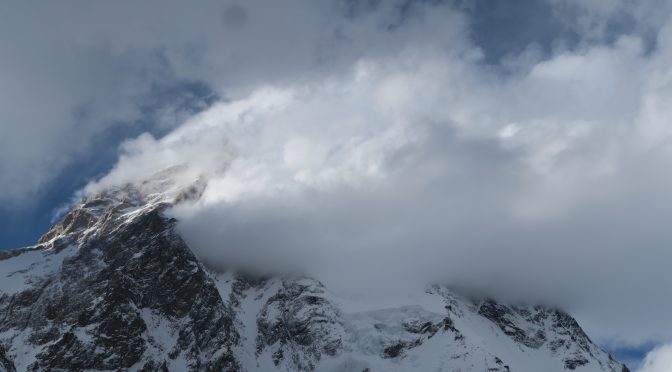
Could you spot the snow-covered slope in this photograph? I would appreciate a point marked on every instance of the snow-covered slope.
(114, 287)
(297, 324)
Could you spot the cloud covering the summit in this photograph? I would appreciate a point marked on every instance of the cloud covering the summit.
(544, 178)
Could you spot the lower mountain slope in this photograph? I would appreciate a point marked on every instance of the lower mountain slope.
(114, 287)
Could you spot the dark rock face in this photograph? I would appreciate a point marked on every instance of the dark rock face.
(397, 348)
(568, 338)
(5, 362)
(572, 364)
(299, 324)
(417, 332)
(504, 316)
(93, 313)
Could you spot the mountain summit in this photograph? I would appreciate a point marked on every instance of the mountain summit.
(113, 286)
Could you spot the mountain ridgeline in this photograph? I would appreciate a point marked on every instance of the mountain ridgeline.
(114, 287)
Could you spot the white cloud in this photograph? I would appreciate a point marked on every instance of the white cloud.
(658, 360)
(71, 72)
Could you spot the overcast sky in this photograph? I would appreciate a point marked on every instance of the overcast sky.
(519, 148)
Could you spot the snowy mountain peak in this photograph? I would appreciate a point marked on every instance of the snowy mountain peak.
(113, 286)
(95, 213)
